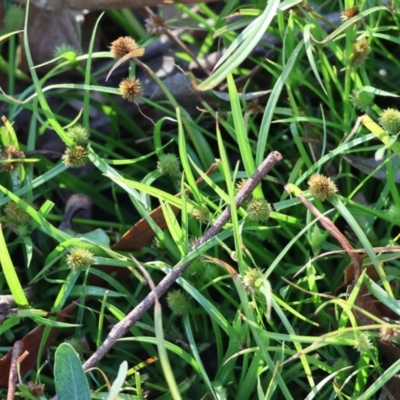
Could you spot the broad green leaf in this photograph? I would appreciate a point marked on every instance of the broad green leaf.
(70, 380)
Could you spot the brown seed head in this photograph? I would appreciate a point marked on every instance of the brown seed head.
(36, 389)
(125, 45)
(321, 187)
(387, 334)
(360, 52)
(155, 25)
(11, 152)
(75, 157)
(130, 89)
(349, 13)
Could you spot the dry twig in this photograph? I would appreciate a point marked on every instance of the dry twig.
(13, 375)
(124, 325)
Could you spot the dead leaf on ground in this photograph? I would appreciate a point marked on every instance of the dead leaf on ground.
(58, 27)
(140, 234)
(31, 343)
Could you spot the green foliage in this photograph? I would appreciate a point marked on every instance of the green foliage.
(70, 380)
(262, 312)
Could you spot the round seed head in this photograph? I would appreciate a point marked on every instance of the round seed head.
(36, 389)
(388, 334)
(125, 45)
(79, 135)
(75, 157)
(363, 343)
(179, 302)
(155, 25)
(130, 89)
(258, 210)
(360, 53)
(349, 13)
(168, 164)
(390, 121)
(10, 153)
(321, 187)
(251, 280)
(16, 214)
(80, 259)
(201, 213)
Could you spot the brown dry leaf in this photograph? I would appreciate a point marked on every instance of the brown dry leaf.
(349, 274)
(137, 237)
(140, 234)
(31, 343)
(58, 27)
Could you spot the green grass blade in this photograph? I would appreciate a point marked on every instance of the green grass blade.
(10, 274)
(242, 46)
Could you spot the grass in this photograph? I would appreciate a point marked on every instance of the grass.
(267, 309)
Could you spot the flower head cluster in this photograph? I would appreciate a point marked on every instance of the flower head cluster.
(125, 45)
(252, 280)
(388, 334)
(77, 156)
(36, 389)
(130, 88)
(168, 164)
(362, 100)
(155, 25)
(321, 187)
(16, 214)
(179, 302)
(68, 53)
(13, 19)
(79, 135)
(80, 259)
(360, 52)
(201, 213)
(9, 154)
(394, 213)
(390, 121)
(258, 210)
(349, 13)
(363, 342)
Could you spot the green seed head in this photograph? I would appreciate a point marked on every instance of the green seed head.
(252, 279)
(179, 302)
(390, 121)
(79, 135)
(80, 259)
(168, 164)
(258, 210)
(16, 214)
(201, 213)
